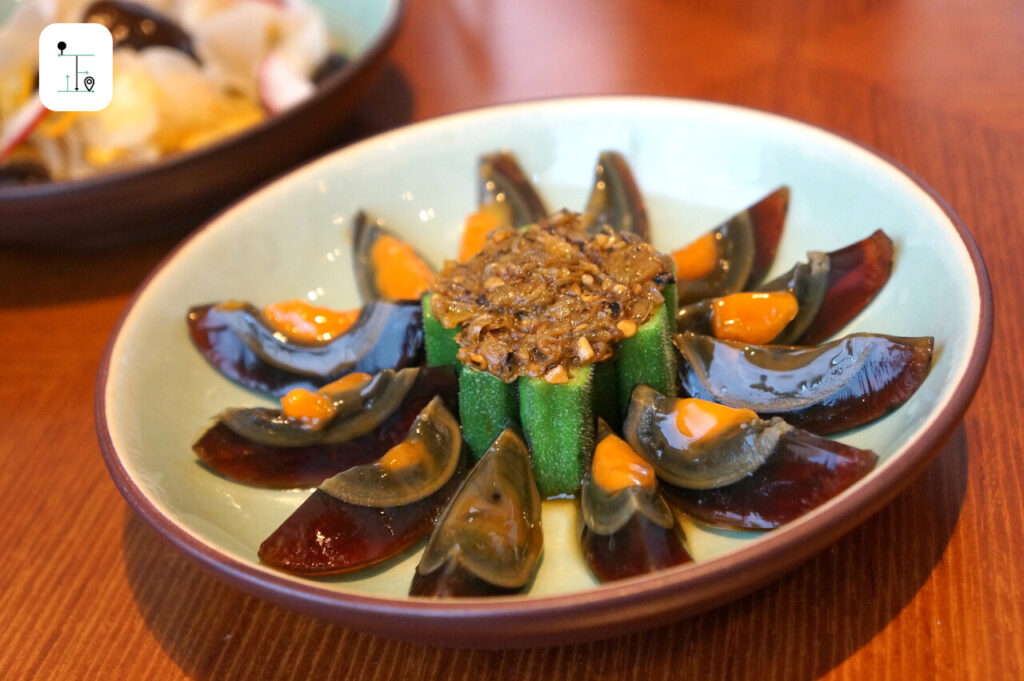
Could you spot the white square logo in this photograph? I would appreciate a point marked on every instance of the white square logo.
(76, 67)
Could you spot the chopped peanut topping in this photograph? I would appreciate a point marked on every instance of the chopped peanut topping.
(583, 349)
(627, 327)
(557, 376)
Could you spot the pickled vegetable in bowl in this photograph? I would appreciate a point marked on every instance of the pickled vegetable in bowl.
(185, 75)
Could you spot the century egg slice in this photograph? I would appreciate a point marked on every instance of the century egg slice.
(726, 466)
(698, 444)
(387, 268)
(626, 528)
(804, 473)
(749, 317)
(372, 512)
(488, 540)
(505, 198)
(808, 282)
(503, 182)
(733, 255)
(842, 282)
(266, 448)
(825, 389)
(615, 200)
(241, 343)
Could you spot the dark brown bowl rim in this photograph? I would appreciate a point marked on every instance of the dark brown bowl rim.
(336, 81)
(602, 611)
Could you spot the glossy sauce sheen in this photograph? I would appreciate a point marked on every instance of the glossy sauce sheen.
(263, 465)
(803, 473)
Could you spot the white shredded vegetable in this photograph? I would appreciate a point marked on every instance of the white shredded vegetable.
(164, 101)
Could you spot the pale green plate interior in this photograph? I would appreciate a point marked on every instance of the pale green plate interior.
(697, 164)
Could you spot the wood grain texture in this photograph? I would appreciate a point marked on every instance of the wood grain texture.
(930, 588)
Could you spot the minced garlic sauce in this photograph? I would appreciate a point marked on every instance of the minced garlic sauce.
(546, 299)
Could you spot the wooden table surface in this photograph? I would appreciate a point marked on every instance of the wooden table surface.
(930, 588)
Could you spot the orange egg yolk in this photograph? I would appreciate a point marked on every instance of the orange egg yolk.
(697, 259)
(753, 317)
(346, 382)
(616, 466)
(400, 273)
(310, 408)
(698, 421)
(479, 225)
(300, 320)
(403, 456)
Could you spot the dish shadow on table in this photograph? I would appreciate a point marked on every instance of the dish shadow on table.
(797, 628)
(49, 274)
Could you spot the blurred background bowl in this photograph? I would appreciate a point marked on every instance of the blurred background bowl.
(176, 193)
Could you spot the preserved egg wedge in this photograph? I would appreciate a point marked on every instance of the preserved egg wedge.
(502, 181)
(242, 344)
(734, 255)
(615, 200)
(805, 472)
(489, 539)
(808, 283)
(372, 512)
(386, 268)
(727, 466)
(626, 528)
(269, 448)
(842, 282)
(698, 444)
(748, 317)
(824, 389)
(505, 198)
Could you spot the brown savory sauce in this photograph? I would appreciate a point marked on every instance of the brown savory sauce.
(548, 296)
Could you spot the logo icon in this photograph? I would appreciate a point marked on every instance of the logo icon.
(76, 67)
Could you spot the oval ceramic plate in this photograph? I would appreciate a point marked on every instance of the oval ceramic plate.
(175, 193)
(696, 163)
